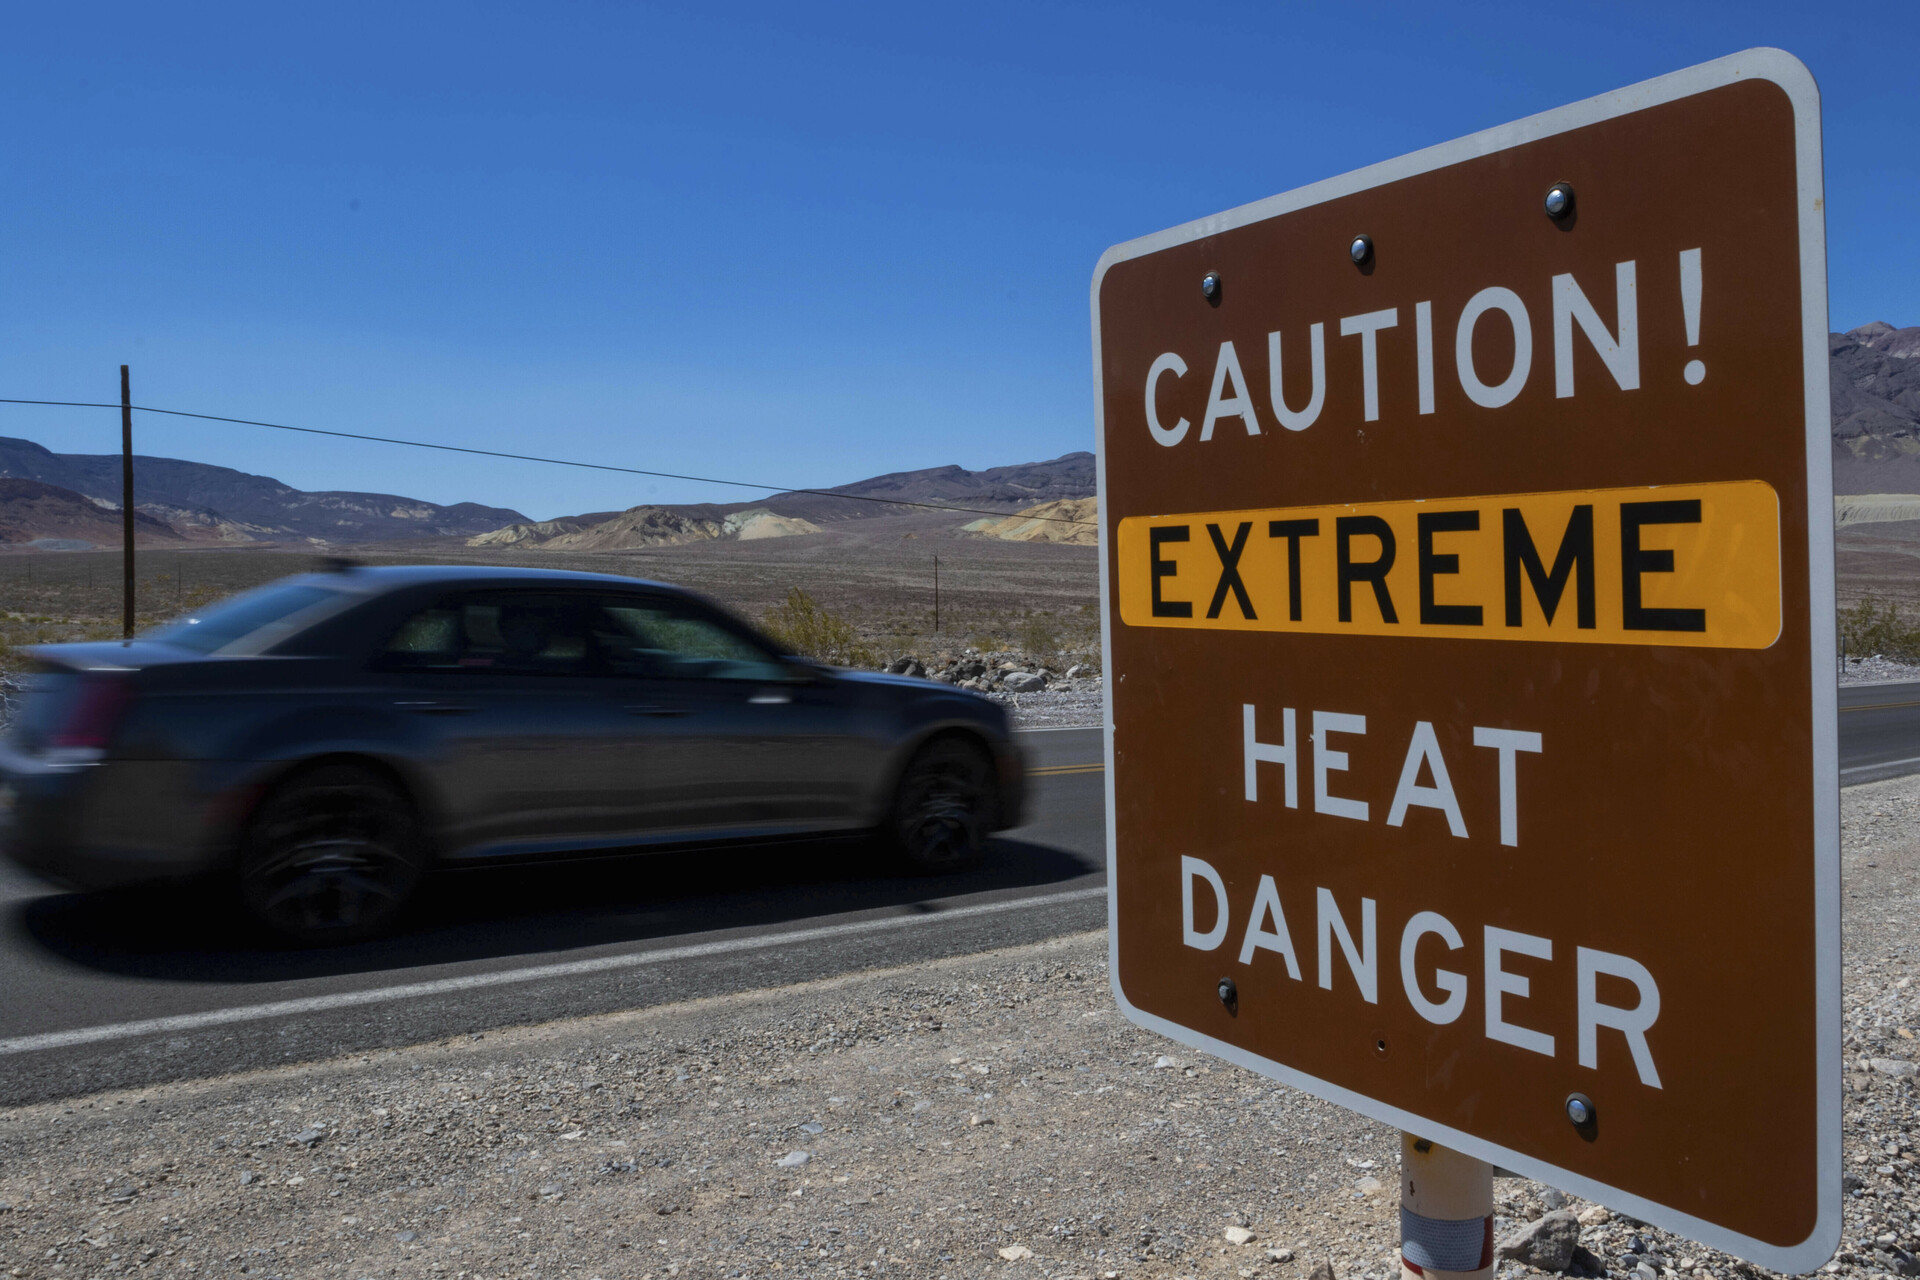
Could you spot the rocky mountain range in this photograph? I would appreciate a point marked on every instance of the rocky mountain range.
(1073, 521)
(996, 489)
(73, 499)
(1875, 375)
(73, 502)
(62, 520)
(205, 503)
(642, 527)
(1015, 488)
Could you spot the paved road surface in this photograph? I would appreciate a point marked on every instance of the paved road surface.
(117, 990)
(1879, 731)
(82, 973)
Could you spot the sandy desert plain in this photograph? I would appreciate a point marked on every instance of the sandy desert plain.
(876, 573)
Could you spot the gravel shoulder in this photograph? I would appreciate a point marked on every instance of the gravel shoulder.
(990, 1113)
(1877, 670)
(1072, 704)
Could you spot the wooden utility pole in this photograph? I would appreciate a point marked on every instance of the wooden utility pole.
(126, 504)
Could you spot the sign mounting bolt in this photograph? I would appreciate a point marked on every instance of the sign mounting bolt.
(1210, 286)
(1559, 201)
(1360, 249)
(1580, 1110)
(1229, 995)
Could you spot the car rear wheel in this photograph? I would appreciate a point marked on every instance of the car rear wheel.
(332, 856)
(941, 808)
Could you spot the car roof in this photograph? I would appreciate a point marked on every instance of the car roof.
(378, 579)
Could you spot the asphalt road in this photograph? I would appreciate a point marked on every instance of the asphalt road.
(119, 990)
(1879, 731)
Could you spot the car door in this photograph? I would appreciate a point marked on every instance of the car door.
(525, 751)
(730, 739)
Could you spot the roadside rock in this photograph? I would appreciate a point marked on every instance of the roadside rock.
(1237, 1235)
(1546, 1243)
(1024, 682)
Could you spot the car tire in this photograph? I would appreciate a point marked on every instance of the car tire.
(332, 856)
(942, 806)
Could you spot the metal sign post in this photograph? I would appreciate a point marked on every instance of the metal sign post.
(1467, 585)
(1446, 1212)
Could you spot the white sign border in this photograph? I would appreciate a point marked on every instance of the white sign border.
(1791, 75)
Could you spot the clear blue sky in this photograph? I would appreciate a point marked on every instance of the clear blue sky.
(801, 243)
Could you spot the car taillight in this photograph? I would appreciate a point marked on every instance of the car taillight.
(96, 711)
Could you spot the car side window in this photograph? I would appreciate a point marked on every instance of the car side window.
(665, 638)
(512, 633)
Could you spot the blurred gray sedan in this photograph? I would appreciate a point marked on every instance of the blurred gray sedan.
(323, 741)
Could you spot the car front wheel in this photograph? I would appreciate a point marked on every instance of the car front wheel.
(940, 810)
(332, 856)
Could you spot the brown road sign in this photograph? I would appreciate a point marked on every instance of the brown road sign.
(1468, 577)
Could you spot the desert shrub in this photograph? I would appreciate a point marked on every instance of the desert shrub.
(1873, 627)
(804, 627)
(1038, 636)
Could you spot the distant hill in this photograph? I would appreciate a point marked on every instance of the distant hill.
(1016, 488)
(1074, 521)
(1875, 376)
(997, 488)
(61, 520)
(232, 506)
(642, 527)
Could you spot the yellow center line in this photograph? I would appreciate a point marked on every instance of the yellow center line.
(1067, 768)
(1879, 706)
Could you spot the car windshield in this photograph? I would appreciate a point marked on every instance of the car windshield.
(230, 620)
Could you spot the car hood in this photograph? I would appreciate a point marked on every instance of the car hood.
(111, 655)
(898, 682)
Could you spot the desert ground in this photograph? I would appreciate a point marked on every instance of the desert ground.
(877, 573)
(991, 1114)
(1879, 560)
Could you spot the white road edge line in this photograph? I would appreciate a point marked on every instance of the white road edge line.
(1884, 764)
(567, 969)
(1061, 728)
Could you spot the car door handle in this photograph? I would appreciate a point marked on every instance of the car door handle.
(654, 709)
(429, 708)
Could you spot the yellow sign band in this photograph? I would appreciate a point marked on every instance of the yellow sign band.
(1695, 565)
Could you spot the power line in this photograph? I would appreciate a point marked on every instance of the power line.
(557, 462)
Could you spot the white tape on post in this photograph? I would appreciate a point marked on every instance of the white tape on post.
(1446, 1213)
